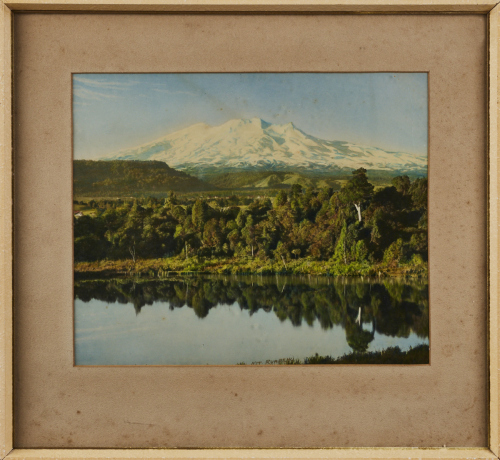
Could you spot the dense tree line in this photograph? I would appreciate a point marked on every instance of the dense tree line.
(356, 224)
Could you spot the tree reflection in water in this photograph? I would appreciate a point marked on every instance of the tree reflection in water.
(389, 306)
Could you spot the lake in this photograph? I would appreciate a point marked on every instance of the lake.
(216, 319)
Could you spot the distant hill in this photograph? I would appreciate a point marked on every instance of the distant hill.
(261, 179)
(255, 145)
(268, 180)
(131, 178)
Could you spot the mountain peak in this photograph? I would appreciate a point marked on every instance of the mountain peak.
(259, 122)
(239, 122)
(254, 122)
(255, 143)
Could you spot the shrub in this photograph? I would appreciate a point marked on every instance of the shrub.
(393, 255)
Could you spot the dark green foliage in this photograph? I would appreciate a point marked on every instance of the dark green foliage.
(418, 193)
(90, 247)
(393, 355)
(394, 253)
(130, 178)
(199, 213)
(305, 223)
(402, 184)
(357, 190)
(281, 198)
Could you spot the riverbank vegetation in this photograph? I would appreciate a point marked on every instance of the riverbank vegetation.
(391, 355)
(165, 267)
(354, 231)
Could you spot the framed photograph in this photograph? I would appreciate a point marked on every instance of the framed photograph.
(271, 243)
(228, 233)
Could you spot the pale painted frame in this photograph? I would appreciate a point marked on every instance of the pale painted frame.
(491, 8)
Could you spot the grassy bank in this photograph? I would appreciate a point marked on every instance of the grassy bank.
(160, 268)
(393, 355)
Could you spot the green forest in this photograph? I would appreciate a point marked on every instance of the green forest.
(357, 230)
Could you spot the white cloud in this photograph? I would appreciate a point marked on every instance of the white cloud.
(88, 94)
(98, 89)
(103, 84)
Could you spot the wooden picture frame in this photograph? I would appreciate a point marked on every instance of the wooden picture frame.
(489, 8)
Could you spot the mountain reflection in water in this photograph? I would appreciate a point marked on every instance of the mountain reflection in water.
(279, 317)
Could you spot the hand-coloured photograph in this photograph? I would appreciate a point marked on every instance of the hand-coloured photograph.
(250, 218)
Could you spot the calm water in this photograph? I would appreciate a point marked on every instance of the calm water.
(235, 319)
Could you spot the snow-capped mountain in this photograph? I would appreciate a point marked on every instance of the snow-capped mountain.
(254, 143)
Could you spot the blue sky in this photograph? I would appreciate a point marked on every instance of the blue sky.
(116, 111)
